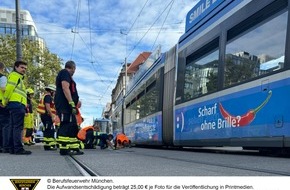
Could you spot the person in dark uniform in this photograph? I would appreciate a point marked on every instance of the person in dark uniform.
(105, 141)
(46, 109)
(66, 99)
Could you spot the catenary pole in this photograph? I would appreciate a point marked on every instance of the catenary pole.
(18, 32)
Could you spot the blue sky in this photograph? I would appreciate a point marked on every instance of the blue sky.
(99, 34)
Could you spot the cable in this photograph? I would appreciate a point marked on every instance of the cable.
(92, 55)
(137, 17)
(76, 26)
(91, 49)
(162, 25)
(148, 29)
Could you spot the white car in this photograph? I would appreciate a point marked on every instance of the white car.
(38, 136)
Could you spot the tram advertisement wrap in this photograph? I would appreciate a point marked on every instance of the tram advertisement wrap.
(247, 115)
(145, 130)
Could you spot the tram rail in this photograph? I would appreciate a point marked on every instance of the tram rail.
(216, 164)
(144, 162)
(81, 167)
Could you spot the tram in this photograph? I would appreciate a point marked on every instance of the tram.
(225, 83)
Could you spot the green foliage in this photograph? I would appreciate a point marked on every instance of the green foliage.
(43, 65)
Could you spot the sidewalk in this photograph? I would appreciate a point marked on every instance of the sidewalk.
(39, 163)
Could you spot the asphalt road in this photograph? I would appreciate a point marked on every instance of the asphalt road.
(145, 162)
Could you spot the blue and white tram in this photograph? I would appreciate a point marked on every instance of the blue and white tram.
(143, 102)
(233, 77)
(225, 83)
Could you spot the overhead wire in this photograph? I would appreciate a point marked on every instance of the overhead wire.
(137, 17)
(149, 29)
(91, 52)
(127, 32)
(91, 48)
(162, 26)
(92, 55)
(76, 26)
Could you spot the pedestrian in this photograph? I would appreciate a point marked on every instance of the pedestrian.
(28, 119)
(46, 109)
(4, 113)
(15, 99)
(66, 99)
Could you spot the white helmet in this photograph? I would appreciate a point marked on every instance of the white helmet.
(50, 87)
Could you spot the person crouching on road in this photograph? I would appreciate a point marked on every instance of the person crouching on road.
(88, 135)
(46, 109)
(28, 120)
(105, 141)
(122, 141)
(15, 99)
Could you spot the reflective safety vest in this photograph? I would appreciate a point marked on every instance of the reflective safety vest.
(28, 121)
(122, 138)
(15, 89)
(41, 106)
(1, 92)
(83, 131)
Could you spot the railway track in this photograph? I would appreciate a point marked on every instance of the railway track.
(223, 165)
(81, 167)
(166, 157)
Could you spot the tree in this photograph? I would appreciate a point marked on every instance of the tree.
(43, 65)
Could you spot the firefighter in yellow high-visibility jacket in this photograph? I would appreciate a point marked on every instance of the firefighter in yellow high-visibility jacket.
(28, 119)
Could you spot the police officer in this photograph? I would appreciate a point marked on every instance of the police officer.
(66, 99)
(15, 99)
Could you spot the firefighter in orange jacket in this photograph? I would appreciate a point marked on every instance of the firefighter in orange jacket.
(122, 141)
(46, 109)
(88, 136)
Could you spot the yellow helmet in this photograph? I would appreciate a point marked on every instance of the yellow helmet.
(51, 87)
(30, 91)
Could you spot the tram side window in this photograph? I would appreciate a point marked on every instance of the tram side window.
(132, 111)
(144, 104)
(152, 100)
(201, 72)
(149, 102)
(258, 51)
